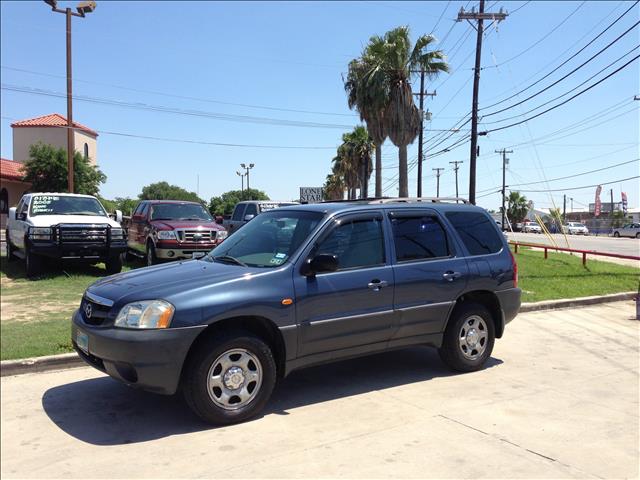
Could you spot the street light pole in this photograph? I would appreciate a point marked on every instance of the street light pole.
(241, 175)
(247, 168)
(82, 8)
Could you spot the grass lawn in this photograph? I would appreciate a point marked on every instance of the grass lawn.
(563, 276)
(35, 315)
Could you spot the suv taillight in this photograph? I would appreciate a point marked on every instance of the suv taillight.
(514, 265)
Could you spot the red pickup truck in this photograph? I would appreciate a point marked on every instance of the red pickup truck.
(171, 230)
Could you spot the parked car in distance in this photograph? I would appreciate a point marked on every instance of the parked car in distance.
(575, 228)
(299, 286)
(64, 226)
(629, 230)
(172, 230)
(531, 227)
(247, 210)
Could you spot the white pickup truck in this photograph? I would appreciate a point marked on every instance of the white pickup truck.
(64, 226)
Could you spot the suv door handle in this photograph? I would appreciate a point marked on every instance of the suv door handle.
(451, 276)
(376, 284)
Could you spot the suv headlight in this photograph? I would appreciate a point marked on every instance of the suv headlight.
(117, 234)
(222, 234)
(145, 314)
(166, 235)
(40, 233)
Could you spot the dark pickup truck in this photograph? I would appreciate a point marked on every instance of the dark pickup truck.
(172, 230)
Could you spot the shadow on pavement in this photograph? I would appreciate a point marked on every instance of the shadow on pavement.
(102, 411)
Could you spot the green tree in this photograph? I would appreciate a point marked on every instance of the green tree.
(334, 187)
(389, 63)
(224, 204)
(165, 191)
(352, 163)
(124, 204)
(46, 170)
(517, 207)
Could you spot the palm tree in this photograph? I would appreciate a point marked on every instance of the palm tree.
(389, 63)
(517, 207)
(352, 162)
(333, 187)
(366, 93)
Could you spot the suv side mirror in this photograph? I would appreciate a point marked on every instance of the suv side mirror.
(322, 263)
(248, 217)
(118, 216)
(21, 216)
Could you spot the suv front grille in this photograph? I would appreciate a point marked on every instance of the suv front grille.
(71, 234)
(93, 313)
(196, 236)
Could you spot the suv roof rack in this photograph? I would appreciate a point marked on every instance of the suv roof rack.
(420, 199)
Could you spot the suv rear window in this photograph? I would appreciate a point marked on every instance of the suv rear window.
(419, 237)
(477, 231)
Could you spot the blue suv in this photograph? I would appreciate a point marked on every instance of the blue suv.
(299, 286)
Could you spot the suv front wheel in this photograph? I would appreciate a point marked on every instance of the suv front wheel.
(469, 338)
(229, 380)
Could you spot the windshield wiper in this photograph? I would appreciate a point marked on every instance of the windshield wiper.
(229, 259)
(194, 218)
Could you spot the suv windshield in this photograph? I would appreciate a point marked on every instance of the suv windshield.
(179, 211)
(268, 240)
(64, 205)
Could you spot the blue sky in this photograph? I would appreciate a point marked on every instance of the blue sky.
(291, 56)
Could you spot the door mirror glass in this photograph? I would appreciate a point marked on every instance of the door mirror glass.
(248, 217)
(322, 263)
(219, 219)
(21, 216)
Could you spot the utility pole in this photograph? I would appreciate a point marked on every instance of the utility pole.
(505, 161)
(480, 17)
(455, 169)
(611, 191)
(421, 94)
(564, 207)
(82, 9)
(571, 198)
(437, 170)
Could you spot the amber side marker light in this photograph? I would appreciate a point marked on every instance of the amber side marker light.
(287, 301)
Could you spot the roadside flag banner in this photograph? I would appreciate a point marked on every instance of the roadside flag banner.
(624, 203)
(598, 203)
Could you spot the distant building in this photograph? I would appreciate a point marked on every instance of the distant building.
(52, 129)
(11, 187)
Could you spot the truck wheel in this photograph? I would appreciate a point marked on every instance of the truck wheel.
(10, 249)
(151, 255)
(616, 234)
(469, 338)
(229, 380)
(33, 263)
(114, 264)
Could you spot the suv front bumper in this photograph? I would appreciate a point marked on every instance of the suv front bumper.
(147, 359)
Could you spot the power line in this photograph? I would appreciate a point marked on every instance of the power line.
(580, 188)
(566, 101)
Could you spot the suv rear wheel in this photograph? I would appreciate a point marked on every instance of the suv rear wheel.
(469, 338)
(151, 254)
(229, 380)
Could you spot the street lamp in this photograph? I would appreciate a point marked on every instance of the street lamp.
(82, 9)
(241, 175)
(247, 168)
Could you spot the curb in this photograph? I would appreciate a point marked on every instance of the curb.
(576, 302)
(72, 360)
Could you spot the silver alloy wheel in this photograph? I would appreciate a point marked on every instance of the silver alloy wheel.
(234, 379)
(473, 337)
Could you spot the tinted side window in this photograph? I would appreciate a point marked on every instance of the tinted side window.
(138, 209)
(144, 210)
(24, 207)
(356, 243)
(476, 231)
(237, 213)
(251, 210)
(418, 238)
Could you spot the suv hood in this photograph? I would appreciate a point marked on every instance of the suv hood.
(173, 224)
(49, 220)
(170, 280)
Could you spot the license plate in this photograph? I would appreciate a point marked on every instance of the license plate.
(196, 255)
(82, 340)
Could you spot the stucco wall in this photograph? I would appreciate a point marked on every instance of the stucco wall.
(24, 137)
(15, 191)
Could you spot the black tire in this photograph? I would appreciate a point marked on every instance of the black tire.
(114, 264)
(637, 235)
(453, 353)
(202, 364)
(616, 234)
(33, 263)
(150, 257)
(10, 256)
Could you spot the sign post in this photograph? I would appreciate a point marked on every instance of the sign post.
(311, 194)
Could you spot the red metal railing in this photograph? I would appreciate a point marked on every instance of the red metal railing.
(584, 253)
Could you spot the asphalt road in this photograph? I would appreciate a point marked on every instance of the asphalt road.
(623, 246)
(559, 399)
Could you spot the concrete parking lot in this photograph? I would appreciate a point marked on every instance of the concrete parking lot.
(622, 246)
(559, 399)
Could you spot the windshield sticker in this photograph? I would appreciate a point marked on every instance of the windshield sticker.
(42, 204)
(276, 261)
(280, 255)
